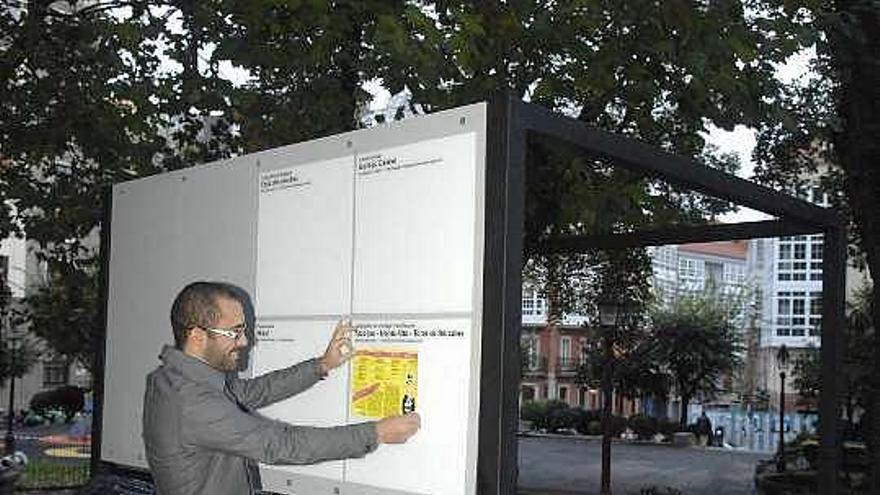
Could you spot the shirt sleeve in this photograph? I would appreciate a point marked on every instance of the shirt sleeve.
(275, 386)
(212, 421)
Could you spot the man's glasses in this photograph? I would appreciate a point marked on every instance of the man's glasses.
(233, 333)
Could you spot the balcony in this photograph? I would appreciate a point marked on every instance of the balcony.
(533, 365)
(568, 364)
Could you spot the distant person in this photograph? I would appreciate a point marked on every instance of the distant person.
(200, 430)
(704, 430)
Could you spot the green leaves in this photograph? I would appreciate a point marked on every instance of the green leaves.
(696, 342)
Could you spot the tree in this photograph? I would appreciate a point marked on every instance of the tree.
(855, 45)
(18, 353)
(656, 71)
(17, 356)
(856, 370)
(696, 341)
(807, 373)
(65, 312)
(828, 125)
(75, 116)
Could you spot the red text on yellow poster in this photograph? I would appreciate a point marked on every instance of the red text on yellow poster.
(384, 382)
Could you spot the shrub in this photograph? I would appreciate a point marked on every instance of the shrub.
(586, 418)
(667, 427)
(653, 490)
(550, 415)
(531, 411)
(562, 419)
(645, 427)
(618, 425)
(68, 399)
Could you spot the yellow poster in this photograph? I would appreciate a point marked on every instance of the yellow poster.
(384, 382)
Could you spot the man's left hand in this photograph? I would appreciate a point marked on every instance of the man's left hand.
(340, 348)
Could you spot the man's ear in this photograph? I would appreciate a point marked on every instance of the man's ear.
(195, 338)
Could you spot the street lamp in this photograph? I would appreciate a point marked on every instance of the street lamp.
(782, 362)
(9, 439)
(609, 312)
(5, 299)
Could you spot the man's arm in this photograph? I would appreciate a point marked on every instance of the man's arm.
(281, 384)
(276, 386)
(211, 421)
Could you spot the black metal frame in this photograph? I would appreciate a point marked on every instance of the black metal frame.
(512, 125)
(101, 342)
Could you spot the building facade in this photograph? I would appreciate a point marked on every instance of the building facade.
(552, 353)
(23, 273)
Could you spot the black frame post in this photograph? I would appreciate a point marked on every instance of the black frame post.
(502, 295)
(833, 323)
(101, 337)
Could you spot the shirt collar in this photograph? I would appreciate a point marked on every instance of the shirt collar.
(192, 368)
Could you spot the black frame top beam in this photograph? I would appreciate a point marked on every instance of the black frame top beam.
(684, 234)
(682, 171)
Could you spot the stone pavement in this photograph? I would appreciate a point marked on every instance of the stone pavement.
(572, 466)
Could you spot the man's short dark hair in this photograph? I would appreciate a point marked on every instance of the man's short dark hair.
(196, 306)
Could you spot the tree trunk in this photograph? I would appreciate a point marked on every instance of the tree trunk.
(683, 414)
(855, 43)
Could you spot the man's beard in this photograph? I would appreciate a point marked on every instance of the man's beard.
(225, 360)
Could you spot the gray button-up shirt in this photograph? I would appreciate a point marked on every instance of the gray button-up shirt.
(202, 436)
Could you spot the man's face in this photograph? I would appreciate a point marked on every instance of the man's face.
(222, 352)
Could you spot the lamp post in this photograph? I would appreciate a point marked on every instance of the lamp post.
(608, 317)
(9, 439)
(5, 299)
(782, 362)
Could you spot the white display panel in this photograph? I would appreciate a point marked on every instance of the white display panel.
(382, 225)
(283, 343)
(434, 460)
(399, 224)
(304, 239)
(166, 231)
(415, 227)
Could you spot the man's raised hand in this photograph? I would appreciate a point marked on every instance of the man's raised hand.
(340, 348)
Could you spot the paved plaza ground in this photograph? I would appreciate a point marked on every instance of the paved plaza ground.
(572, 466)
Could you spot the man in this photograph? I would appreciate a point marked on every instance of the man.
(704, 430)
(201, 433)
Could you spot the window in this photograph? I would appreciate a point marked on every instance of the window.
(529, 346)
(734, 274)
(689, 269)
(565, 348)
(532, 303)
(54, 373)
(563, 394)
(800, 258)
(798, 313)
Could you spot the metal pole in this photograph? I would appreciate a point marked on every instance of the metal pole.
(606, 415)
(780, 465)
(10, 436)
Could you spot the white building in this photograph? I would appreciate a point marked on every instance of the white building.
(694, 268)
(24, 272)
